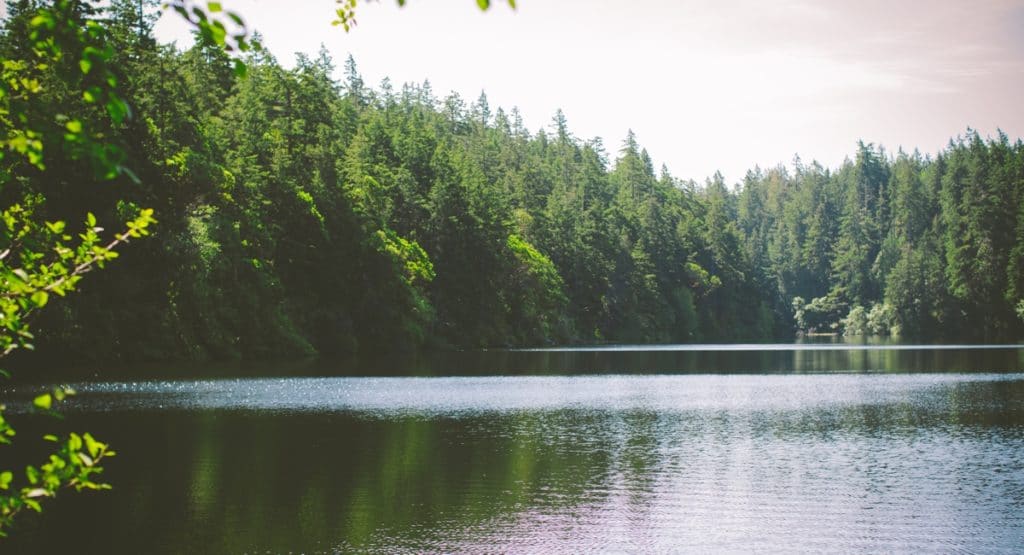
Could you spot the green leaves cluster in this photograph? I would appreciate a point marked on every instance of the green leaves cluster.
(60, 46)
(877, 321)
(43, 260)
(74, 464)
(59, 100)
(218, 27)
(61, 49)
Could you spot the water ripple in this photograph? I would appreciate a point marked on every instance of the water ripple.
(577, 464)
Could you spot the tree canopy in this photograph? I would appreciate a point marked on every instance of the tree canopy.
(302, 213)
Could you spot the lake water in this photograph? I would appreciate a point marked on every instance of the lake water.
(822, 447)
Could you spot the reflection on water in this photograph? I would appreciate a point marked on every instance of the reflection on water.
(805, 358)
(876, 462)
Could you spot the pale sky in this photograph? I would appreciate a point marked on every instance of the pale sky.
(706, 84)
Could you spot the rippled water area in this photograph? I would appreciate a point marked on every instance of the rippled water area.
(785, 448)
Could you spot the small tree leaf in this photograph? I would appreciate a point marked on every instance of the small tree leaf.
(40, 298)
(43, 401)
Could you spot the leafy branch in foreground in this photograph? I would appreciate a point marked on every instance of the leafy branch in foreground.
(42, 260)
(217, 26)
(29, 274)
(73, 465)
(65, 49)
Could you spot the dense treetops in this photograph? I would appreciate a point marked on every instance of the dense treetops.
(299, 214)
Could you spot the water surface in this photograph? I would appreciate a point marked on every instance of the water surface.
(823, 449)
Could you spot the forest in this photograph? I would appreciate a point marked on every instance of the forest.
(298, 214)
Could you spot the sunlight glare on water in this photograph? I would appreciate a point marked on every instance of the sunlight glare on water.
(455, 395)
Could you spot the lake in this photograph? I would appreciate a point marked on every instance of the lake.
(812, 447)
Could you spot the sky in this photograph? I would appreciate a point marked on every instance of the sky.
(706, 85)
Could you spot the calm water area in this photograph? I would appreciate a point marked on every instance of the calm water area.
(821, 447)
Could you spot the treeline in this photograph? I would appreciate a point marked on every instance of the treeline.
(919, 246)
(298, 215)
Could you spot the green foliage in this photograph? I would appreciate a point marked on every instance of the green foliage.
(856, 322)
(413, 260)
(42, 260)
(880, 320)
(65, 47)
(69, 56)
(218, 28)
(303, 215)
(39, 258)
(73, 464)
(822, 314)
(937, 241)
(539, 299)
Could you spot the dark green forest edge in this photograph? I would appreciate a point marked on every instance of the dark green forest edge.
(300, 215)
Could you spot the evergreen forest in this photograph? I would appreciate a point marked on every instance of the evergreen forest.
(300, 214)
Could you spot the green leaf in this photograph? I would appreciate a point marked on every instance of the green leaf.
(44, 401)
(5, 479)
(44, 18)
(92, 446)
(95, 93)
(214, 7)
(40, 298)
(74, 126)
(118, 110)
